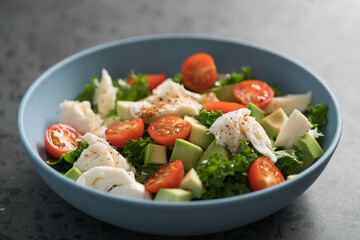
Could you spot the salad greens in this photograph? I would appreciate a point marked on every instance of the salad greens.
(67, 160)
(234, 77)
(134, 151)
(225, 178)
(208, 118)
(288, 161)
(317, 115)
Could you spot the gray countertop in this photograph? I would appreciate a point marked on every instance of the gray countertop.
(322, 34)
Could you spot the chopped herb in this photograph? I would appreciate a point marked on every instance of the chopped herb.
(208, 118)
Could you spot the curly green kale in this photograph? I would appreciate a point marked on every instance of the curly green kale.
(89, 90)
(234, 77)
(288, 161)
(317, 115)
(225, 178)
(134, 152)
(208, 118)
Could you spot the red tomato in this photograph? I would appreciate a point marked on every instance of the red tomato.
(153, 80)
(166, 176)
(263, 174)
(166, 130)
(61, 138)
(225, 107)
(255, 91)
(199, 72)
(119, 133)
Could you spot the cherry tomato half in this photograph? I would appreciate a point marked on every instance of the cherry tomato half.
(225, 107)
(61, 138)
(166, 176)
(199, 72)
(166, 130)
(255, 91)
(153, 80)
(263, 174)
(119, 133)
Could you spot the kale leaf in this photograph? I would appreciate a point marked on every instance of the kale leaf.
(135, 91)
(317, 115)
(67, 160)
(234, 77)
(178, 78)
(288, 161)
(89, 90)
(208, 118)
(134, 152)
(225, 178)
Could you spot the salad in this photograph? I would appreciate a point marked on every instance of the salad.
(193, 136)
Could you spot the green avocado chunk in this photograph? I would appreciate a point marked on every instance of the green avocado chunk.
(187, 152)
(192, 183)
(225, 93)
(199, 133)
(123, 110)
(155, 154)
(311, 150)
(73, 173)
(273, 122)
(214, 148)
(173, 195)
(256, 112)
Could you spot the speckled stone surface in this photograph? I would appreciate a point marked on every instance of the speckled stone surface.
(322, 34)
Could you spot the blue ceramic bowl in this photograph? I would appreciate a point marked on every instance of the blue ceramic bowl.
(165, 53)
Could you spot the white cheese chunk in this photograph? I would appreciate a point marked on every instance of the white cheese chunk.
(168, 99)
(105, 95)
(133, 190)
(239, 125)
(294, 127)
(290, 102)
(93, 156)
(104, 178)
(119, 160)
(80, 116)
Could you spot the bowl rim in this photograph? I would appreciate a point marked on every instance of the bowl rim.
(36, 159)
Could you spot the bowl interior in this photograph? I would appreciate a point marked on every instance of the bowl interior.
(162, 54)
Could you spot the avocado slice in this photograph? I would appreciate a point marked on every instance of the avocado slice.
(73, 173)
(173, 195)
(192, 183)
(311, 149)
(199, 133)
(187, 152)
(225, 93)
(155, 154)
(123, 110)
(214, 148)
(273, 122)
(256, 112)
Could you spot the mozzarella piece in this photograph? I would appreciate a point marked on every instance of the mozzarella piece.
(133, 190)
(105, 94)
(294, 127)
(290, 102)
(239, 125)
(104, 178)
(93, 156)
(119, 160)
(80, 116)
(168, 99)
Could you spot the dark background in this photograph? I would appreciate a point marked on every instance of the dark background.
(322, 34)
